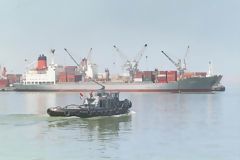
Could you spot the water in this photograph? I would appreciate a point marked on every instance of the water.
(160, 126)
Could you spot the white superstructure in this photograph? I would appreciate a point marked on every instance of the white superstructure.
(47, 76)
(42, 74)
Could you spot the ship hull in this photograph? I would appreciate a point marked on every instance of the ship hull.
(194, 84)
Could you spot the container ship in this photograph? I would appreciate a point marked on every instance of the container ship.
(52, 77)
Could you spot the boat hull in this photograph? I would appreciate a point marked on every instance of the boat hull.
(88, 112)
(194, 84)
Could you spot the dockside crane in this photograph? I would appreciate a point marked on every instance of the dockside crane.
(131, 65)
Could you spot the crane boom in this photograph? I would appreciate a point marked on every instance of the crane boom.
(185, 56)
(170, 59)
(123, 56)
(187, 52)
(72, 57)
(89, 57)
(140, 54)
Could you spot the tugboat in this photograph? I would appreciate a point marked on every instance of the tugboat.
(102, 104)
(218, 87)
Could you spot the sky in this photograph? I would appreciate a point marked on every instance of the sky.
(29, 28)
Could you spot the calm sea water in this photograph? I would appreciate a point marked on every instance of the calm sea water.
(161, 126)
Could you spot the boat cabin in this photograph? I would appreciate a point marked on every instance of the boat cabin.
(102, 99)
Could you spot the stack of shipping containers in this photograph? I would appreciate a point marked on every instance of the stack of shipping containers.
(69, 75)
(138, 77)
(161, 77)
(171, 76)
(147, 76)
(14, 78)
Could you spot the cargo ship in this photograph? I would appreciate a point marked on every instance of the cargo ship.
(53, 77)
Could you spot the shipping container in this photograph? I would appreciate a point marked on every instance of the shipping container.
(62, 78)
(70, 78)
(138, 74)
(147, 79)
(171, 72)
(171, 76)
(62, 74)
(161, 80)
(70, 69)
(14, 78)
(188, 74)
(3, 83)
(162, 74)
(147, 76)
(171, 79)
(78, 78)
(201, 74)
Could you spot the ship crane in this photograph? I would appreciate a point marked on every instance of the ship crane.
(138, 57)
(127, 63)
(3, 73)
(178, 64)
(185, 56)
(81, 68)
(89, 57)
(131, 66)
(72, 57)
(86, 67)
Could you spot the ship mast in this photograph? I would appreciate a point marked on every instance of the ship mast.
(210, 69)
(52, 51)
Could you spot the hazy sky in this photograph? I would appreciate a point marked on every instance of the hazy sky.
(211, 28)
